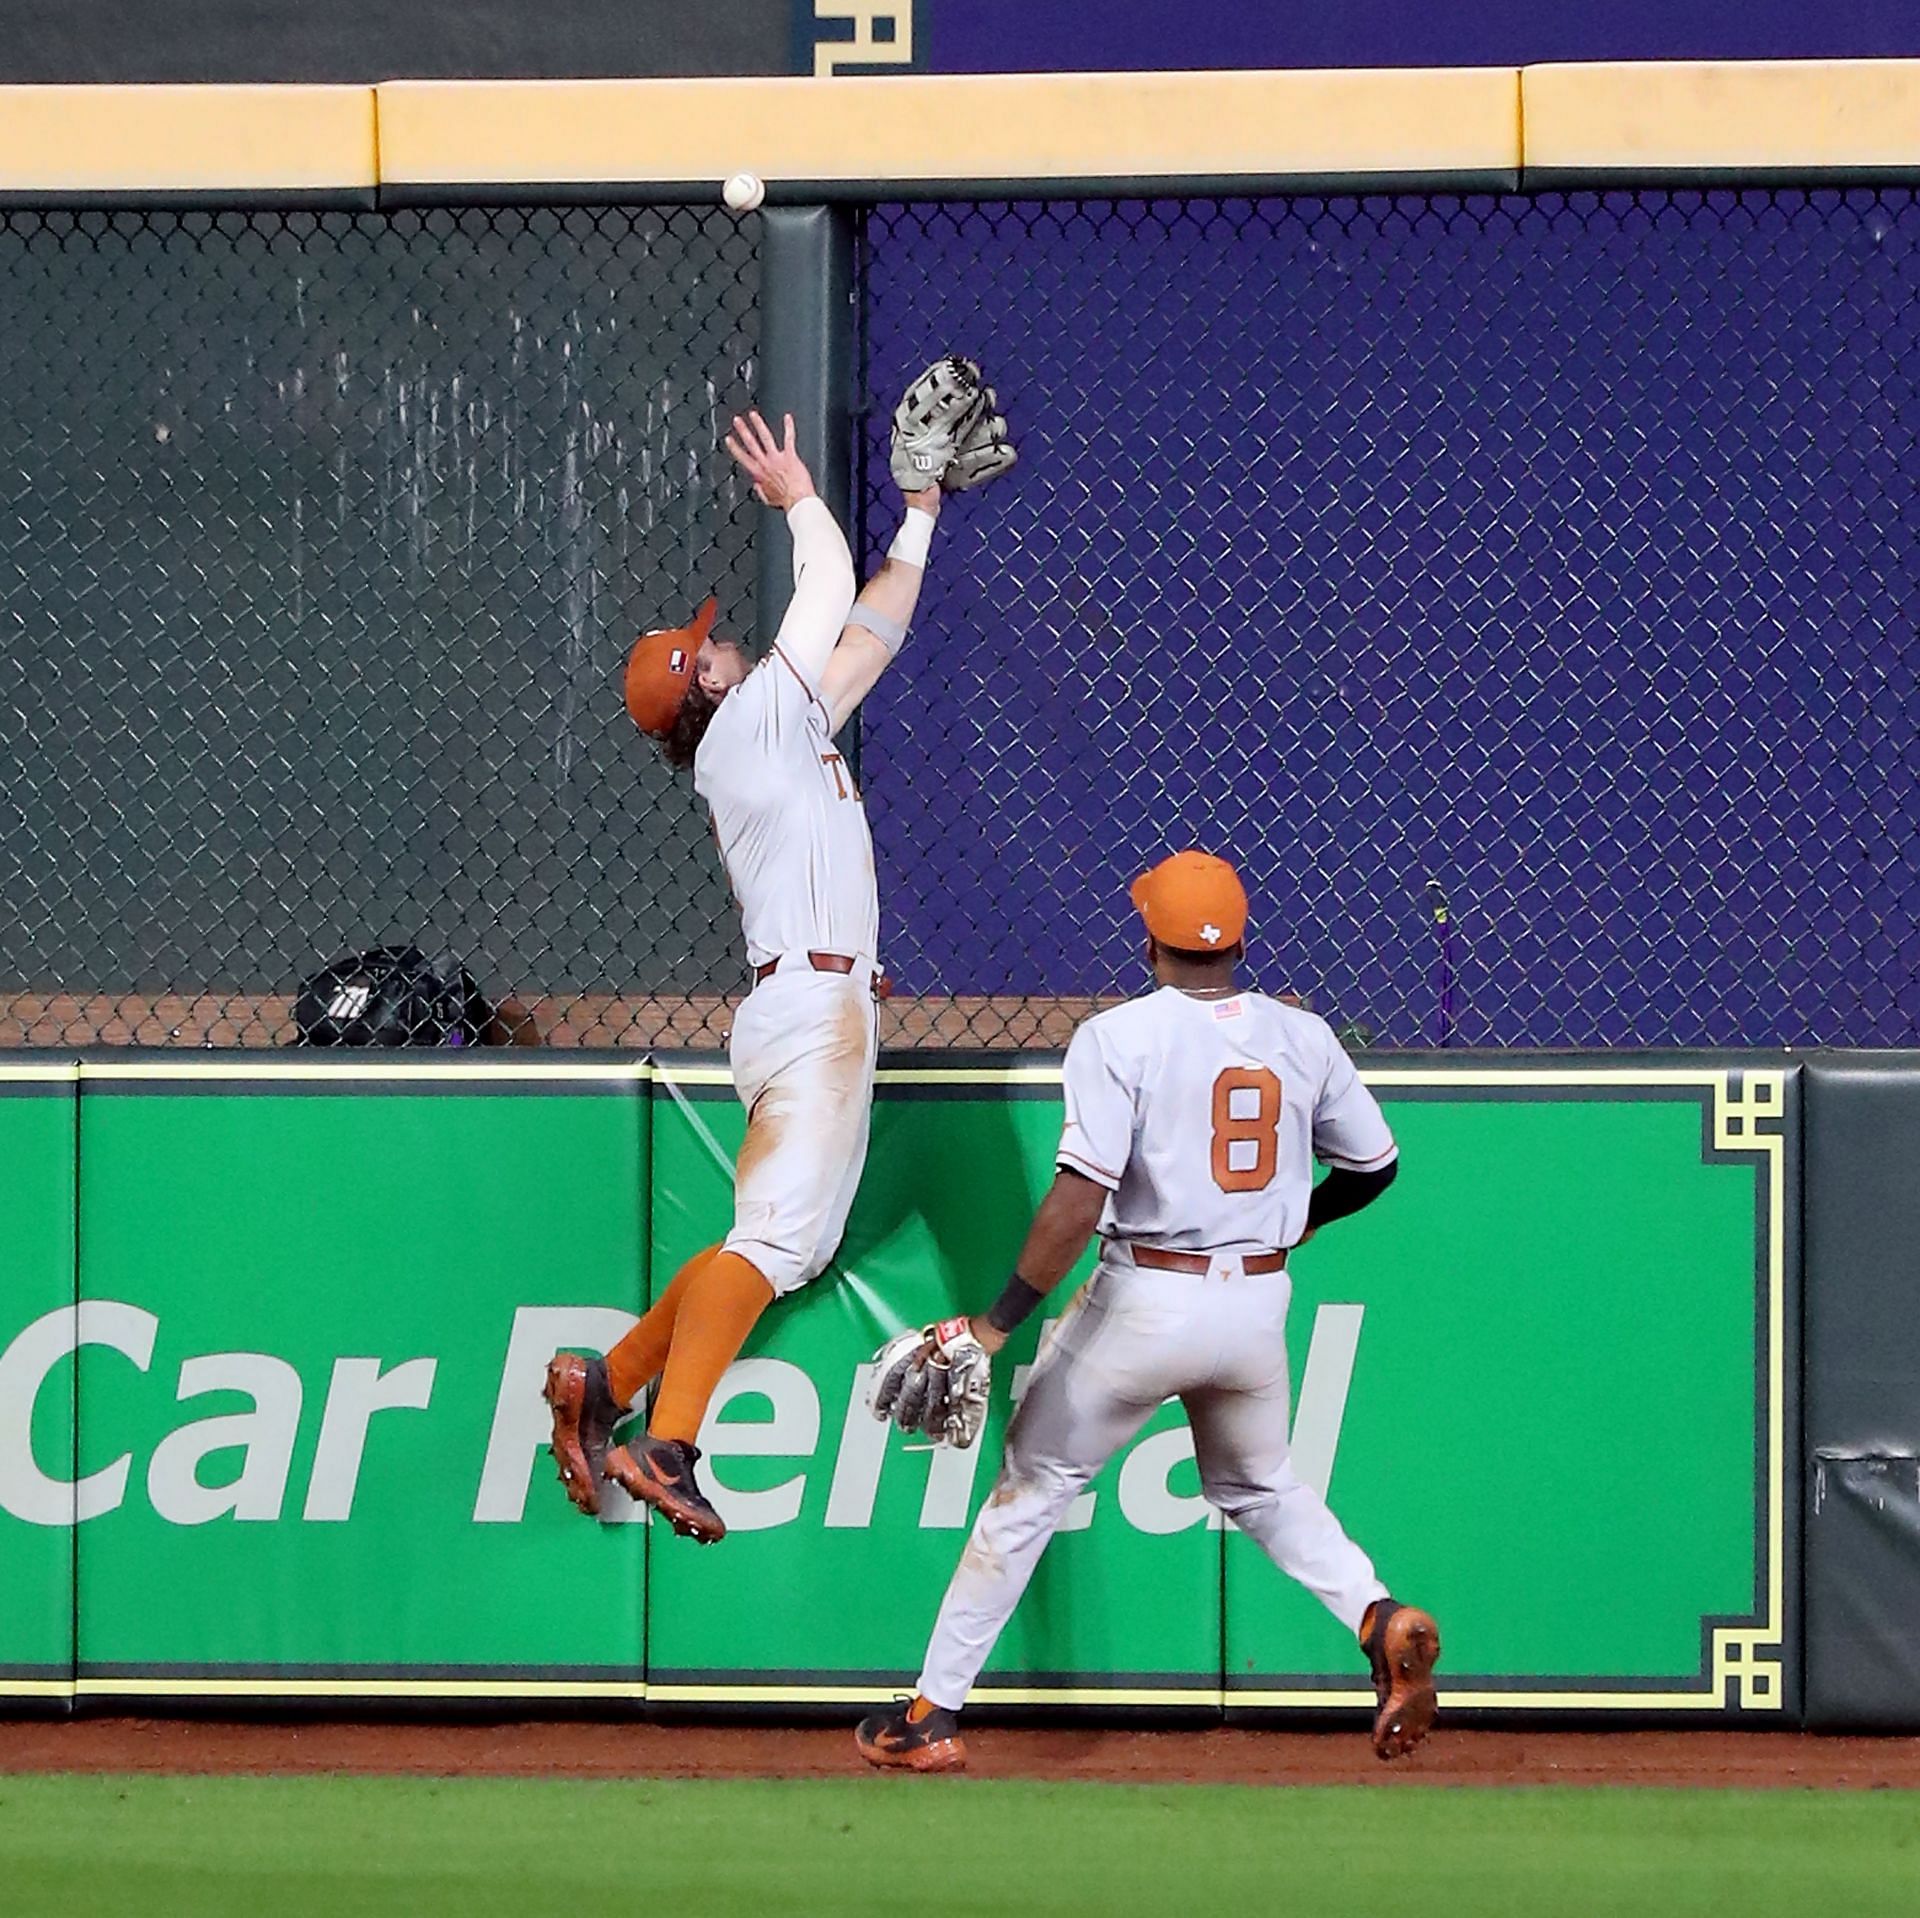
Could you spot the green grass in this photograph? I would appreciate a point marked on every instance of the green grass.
(126, 1847)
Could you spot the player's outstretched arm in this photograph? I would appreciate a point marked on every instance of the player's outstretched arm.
(823, 581)
(1068, 1217)
(877, 627)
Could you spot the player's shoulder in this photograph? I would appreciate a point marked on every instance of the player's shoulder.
(1288, 1016)
(787, 681)
(1129, 1020)
(1294, 1031)
(742, 713)
(1120, 1037)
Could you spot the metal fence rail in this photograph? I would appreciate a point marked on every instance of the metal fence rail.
(1521, 588)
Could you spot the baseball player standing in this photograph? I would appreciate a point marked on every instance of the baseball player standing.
(792, 833)
(1193, 1117)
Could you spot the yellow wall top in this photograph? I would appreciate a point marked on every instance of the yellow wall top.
(1723, 116)
(1639, 120)
(186, 139)
(950, 127)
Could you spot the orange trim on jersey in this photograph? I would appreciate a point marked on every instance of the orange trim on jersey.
(1365, 1165)
(779, 653)
(1097, 1173)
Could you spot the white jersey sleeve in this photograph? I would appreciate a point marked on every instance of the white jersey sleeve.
(1349, 1129)
(1097, 1140)
(823, 590)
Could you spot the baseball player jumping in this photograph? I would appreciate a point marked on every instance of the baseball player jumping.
(1193, 1117)
(792, 833)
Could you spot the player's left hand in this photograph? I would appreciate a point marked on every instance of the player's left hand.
(948, 429)
(779, 475)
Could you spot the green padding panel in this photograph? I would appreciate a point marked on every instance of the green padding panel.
(1550, 1380)
(37, 1325)
(1542, 1357)
(322, 1319)
(843, 1537)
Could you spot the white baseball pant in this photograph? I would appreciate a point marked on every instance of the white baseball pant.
(1130, 1340)
(803, 1051)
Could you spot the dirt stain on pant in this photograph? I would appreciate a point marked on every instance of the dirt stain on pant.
(847, 1046)
(981, 1559)
(766, 1127)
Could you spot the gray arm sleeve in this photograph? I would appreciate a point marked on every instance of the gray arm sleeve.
(889, 632)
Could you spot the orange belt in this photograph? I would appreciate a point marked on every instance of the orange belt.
(1158, 1260)
(827, 962)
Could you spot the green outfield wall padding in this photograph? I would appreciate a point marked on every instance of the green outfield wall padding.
(324, 1316)
(1549, 1383)
(37, 1392)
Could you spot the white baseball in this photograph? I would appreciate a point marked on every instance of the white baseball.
(744, 192)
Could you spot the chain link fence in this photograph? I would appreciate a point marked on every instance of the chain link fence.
(1522, 589)
(323, 538)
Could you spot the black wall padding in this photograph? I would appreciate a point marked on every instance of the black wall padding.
(1862, 1392)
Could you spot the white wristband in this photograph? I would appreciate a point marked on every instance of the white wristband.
(914, 540)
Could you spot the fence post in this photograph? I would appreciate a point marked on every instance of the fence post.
(806, 369)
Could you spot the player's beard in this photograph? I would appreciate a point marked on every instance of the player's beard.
(689, 726)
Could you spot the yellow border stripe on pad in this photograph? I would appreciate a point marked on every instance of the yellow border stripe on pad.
(1750, 116)
(234, 1067)
(950, 127)
(187, 139)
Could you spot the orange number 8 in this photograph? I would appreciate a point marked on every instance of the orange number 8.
(1257, 1133)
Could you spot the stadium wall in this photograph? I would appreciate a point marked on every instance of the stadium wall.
(384, 1179)
(274, 1333)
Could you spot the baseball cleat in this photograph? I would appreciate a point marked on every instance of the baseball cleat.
(1403, 1648)
(659, 1472)
(584, 1416)
(899, 1740)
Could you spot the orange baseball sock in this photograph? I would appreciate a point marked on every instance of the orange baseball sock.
(635, 1362)
(724, 1300)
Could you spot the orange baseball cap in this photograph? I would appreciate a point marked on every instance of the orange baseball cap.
(1194, 902)
(660, 669)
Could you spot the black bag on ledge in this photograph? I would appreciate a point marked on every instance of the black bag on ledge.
(391, 996)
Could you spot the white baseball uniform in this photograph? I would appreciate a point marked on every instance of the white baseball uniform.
(1202, 1118)
(792, 832)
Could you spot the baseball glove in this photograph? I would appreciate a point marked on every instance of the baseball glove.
(948, 430)
(935, 1381)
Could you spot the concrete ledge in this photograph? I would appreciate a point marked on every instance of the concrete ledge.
(127, 142)
(1776, 120)
(806, 137)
